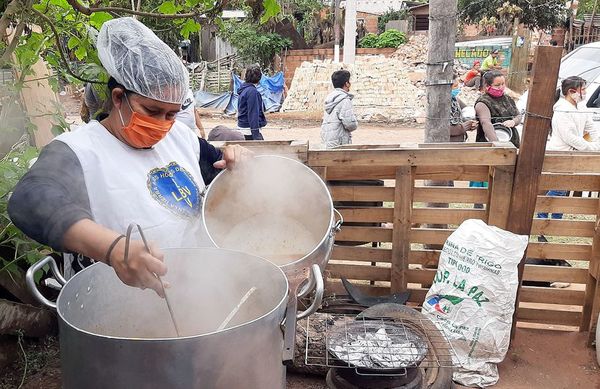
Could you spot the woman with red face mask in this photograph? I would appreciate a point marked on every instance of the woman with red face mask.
(494, 107)
(137, 165)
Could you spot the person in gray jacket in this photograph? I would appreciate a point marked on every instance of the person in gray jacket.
(338, 120)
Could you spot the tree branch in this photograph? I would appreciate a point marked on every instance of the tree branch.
(13, 44)
(60, 50)
(11, 9)
(90, 10)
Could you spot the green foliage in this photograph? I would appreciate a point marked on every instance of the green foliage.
(253, 44)
(272, 9)
(388, 16)
(368, 41)
(541, 14)
(16, 249)
(391, 38)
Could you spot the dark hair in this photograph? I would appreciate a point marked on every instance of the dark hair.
(253, 74)
(339, 78)
(553, 42)
(572, 82)
(489, 77)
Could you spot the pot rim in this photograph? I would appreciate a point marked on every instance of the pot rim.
(282, 301)
(321, 182)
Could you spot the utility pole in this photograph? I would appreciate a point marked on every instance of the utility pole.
(440, 63)
(336, 31)
(350, 32)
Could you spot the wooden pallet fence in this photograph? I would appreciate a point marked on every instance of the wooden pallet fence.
(385, 243)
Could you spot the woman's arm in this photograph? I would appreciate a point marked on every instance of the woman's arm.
(564, 128)
(485, 118)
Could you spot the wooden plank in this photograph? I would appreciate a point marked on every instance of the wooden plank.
(421, 276)
(362, 254)
(555, 274)
(367, 214)
(554, 227)
(403, 200)
(450, 195)
(575, 252)
(430, 235)
(499, 202)
(362, 193)
(358, 272)
(343, 172)
(424, 257)
(364, 234)
(572, 162)
(454, 173)
(414, 157)
(534, 294)
(570, 205)
(533, 146)
(446, 215)
(335, 287)
(321, 172)
(457, 145)
(547, 316)
(569, 182)
(592, 295)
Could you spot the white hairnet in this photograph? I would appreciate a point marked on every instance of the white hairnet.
(134, 56)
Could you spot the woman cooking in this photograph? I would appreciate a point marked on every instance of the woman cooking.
(136, 165)
(494, 107)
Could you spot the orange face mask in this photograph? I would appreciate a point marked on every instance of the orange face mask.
(143, 131)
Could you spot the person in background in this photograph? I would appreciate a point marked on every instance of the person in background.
(91, 103)
(458, 125)
(338, 120)
(491, 62)
(572, 129)
(222, 133)
(190, 116)
(495, 107)
(251, 111)
(137, 165)
(473, 76)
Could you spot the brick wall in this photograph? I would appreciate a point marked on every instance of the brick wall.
(370, 21)
(294, 58)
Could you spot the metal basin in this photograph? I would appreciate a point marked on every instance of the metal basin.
(115, 336)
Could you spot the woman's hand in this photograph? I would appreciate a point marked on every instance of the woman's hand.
(472, 125)
(141, 268)
(232, 155)
(509, 123)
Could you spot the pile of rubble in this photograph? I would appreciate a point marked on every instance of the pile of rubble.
(387, 89)
(382, 88)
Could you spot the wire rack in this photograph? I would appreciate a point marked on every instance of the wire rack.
(338, 340)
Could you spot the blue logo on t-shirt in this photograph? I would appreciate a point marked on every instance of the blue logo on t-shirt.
(174, 188)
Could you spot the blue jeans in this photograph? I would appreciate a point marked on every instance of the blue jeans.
(563, 193)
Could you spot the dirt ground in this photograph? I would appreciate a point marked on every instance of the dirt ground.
(538, 359)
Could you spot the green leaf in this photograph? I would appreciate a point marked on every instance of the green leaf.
(189, 27)
(60, 3)
(57, 130)
(73, 42)
(81, 52)
(167, 8)
(97, 19)
(272, 8)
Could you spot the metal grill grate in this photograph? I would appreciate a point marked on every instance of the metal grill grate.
(336, 340)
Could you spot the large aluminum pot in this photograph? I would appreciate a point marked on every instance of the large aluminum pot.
(276, 208)
(115, 336)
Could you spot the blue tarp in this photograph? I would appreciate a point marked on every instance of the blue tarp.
(270, 88)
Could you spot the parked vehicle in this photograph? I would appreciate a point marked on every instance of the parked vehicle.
(583, 62)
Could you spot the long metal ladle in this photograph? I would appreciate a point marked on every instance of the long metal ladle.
(127, 240)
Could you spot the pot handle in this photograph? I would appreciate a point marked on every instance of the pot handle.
(338, 224)
(319, 291)
(30, 279)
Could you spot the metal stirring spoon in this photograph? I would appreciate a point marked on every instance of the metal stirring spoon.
(127, 239)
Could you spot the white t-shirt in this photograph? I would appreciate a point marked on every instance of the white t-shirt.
(157, 188)
(568, 127)
(187, 114)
